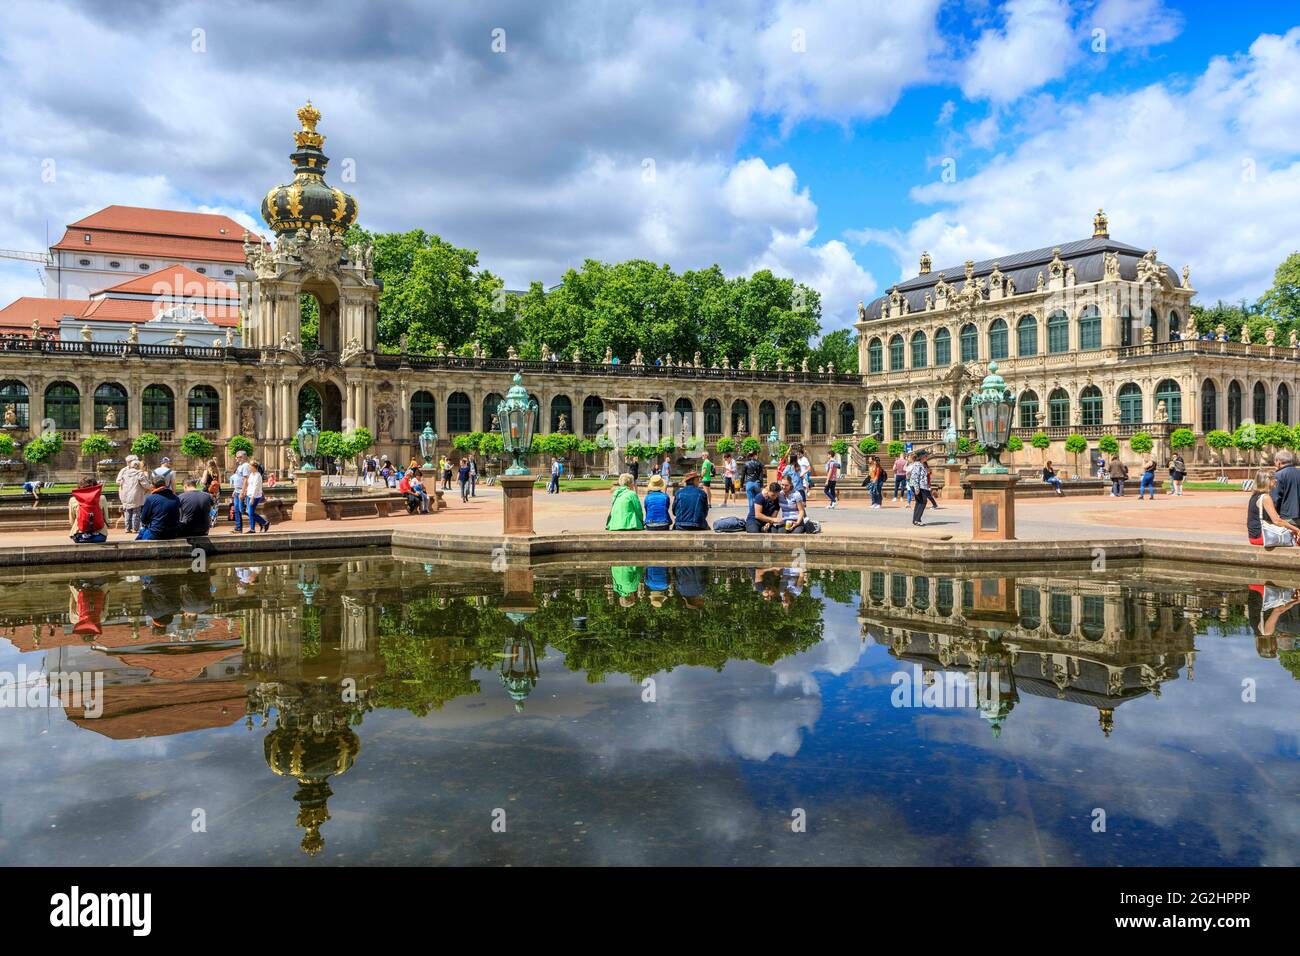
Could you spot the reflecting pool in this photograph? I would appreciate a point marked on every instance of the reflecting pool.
(383, 710)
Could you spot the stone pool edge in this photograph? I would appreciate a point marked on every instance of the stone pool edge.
(699, 544)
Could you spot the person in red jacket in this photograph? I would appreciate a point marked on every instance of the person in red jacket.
(86, 513)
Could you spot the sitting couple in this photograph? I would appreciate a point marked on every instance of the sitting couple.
(778, 509)
(688, 510)
(412, 487)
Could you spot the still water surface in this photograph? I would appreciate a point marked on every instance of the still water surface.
(388, 711)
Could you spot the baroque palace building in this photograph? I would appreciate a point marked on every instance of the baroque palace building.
(1094, 336)
(172, 353)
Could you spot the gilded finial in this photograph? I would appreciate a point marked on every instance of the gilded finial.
(925, 263)
(309, 116)
(1100, 225)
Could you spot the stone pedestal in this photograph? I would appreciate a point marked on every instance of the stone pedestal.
(308, 507)
(517, 504)
(952, 490)
(993, 507)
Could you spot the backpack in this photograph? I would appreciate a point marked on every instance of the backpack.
(729, 524)
(811, 527)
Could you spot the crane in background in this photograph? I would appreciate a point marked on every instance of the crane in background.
(44, 258)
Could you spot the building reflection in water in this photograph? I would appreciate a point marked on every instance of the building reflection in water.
(308, 649)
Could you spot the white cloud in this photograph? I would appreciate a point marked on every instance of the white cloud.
(1036, 45)
(1171, 167)
(1134, 23)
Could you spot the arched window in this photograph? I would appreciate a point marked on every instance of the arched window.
(1027, 335)
(1259, 405)
(920, 593)
(1234, 405)
(1028, 404)
(1058, 408)
(1060, 613)
(13, 392)
(157, 409)
(1058, 332)
(896, 354)
(713, 417)
(683, 414)
(766, 417)
(793, 418)
(1169, 393)
(943, 412)
(739, 416)
(847, 414)
(998, 339)
(876, 420)
(1093, 620)
(1209, 406)
(942, 348)
(967, 419)
(1283, 404)
(560, 405)
(920, 350)
(203, 409)
(490, 403)
(1031, 608)
(1090, 406)
(1175, 326)
(818, 416)
(943, 596)
(897, 420)
(970, 343)
(110, 395)
(875, 356)
(424, 411)
(592, 410)
(63, 405)
(1090, 329)
(1130, 404)
(921, 415)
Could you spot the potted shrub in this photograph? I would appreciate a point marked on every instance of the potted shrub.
(1040, 441)
(93, 448)
(1141, 442)
(237, 444)
(42, 449)
(1220, 441)
(868, 446)
(726, 445)
(197, 447)
(1108, 444)
(895, 448)
(146, 444)
(1076, 445)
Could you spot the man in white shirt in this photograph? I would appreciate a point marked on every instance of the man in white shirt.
(918, 479)
(237, 479)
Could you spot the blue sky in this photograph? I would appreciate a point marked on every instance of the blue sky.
(806, 136)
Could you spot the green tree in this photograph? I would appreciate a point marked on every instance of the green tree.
(1220, 441)
(840, 446)
(868, 446)
(1076, 445)
(1040, 440)
(145, 444)
(1281, 302)
(1015, 443)
(360, 440)
(6, 445)
(1108, 444)
(1141, 442)
(726, 445)
(895, 448)
(839, 347)
(750, 443)
(93, 447)
(1247, 438)
(237, 444)
(1181, 439)
(43, 449)
(197, 447)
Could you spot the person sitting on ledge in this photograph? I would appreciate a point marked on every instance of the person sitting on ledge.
(657, 517)
(86, 512)
(625, 512)
(767, 507)
(195, 510)
(160, 515)
(1051, 478)
(691, 505)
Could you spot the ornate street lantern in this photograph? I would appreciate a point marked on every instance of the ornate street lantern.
(950, 444)
(428, 444)
(773, 445)
(517, 414)
(996, 686)
(518, 671)
(992, 406)
(308, 442)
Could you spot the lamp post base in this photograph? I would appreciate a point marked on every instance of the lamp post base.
(308, 507)
(517, 504)
(993, 507)
(951, 482)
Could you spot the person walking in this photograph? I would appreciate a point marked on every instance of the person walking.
(238, 478)
(728, 478)
(832, 476)
(253, 496)
(1118, 472)
(554, 487)
(900, 476)
(752, 476)
(473, 477)
(1177, 474)
(706, 473)
(918, 480)
(1051, 479)
(462, 475)
(666, 468)
(211, 483)
(805, 471)
(133, 486)
(1286, 492)
(1148, 481)
(876, 482)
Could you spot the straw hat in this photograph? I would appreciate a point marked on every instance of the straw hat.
(656, 483)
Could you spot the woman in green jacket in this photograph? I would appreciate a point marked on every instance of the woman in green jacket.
(625, 512)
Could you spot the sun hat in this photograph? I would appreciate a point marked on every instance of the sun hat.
(656, 482)
(691, 476)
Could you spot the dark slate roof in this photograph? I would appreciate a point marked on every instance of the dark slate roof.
(1085, 255)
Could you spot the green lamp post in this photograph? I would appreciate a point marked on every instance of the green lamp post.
(517, 415)
(992, 406)
(308, 442)
(773, 445)
(428, 444)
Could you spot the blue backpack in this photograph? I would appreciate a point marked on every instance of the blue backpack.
(729, 524)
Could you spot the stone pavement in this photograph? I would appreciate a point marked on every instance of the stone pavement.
(1204, 516)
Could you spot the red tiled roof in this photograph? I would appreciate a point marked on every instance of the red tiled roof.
(153, 246)
(18, 315)
(159, 710)
(176, 281)
(140, 311)
(162, 222)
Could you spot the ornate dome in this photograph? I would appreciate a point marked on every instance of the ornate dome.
(308, 200)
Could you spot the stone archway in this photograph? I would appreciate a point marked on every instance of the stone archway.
(324, 402)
